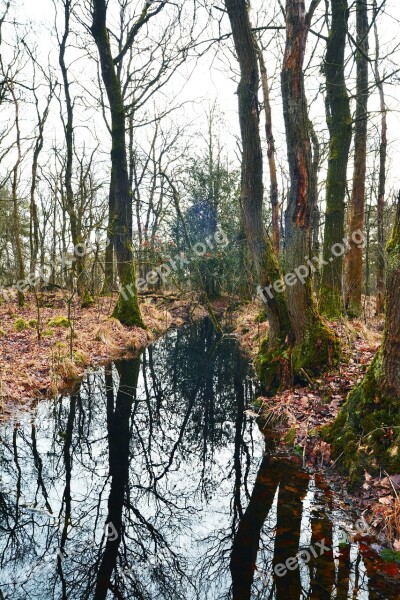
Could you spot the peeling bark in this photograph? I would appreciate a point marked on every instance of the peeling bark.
(316, 345)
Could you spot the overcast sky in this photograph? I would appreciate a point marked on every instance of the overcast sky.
(212, 78)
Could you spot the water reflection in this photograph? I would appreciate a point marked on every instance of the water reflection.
(151, 482)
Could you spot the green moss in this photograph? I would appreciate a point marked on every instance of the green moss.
(366, 433)
(319, 349)
(33, 323)
(21, 324)
(272, 367)
(2, 332)
(330, 303)
(290, 437)
(127, 312)
(87, 300)
(127, 309)
(59, 322)
(48, 333)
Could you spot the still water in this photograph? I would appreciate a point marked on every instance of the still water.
(152, 482)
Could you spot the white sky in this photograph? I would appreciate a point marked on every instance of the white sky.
(212, 79)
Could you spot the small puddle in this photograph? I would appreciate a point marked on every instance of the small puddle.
(151, 482)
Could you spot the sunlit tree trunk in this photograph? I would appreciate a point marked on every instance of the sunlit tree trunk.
(339, 122)
(316, 345)
(354, 259)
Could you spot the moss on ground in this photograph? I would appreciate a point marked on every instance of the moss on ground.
(21, 324)
(366, 433)
(87, 300)
(58, 322)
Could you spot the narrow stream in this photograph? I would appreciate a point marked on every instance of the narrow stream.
(151, 482)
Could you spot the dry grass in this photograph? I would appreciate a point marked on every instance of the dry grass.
(388, 519)
(247, 328)
(32, 368)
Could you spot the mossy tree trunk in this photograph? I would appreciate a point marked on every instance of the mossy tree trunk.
(127, 309)
(339, 121)
(316, 345)
(354, 258)
(366, 433)
(252, 190)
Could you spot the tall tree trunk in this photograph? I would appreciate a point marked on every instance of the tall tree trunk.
(380, 261)
(366, 431)
(34, 225)
(354, 259)
(75, 221)
(127, 309)
(270, 153)
(14, 191)
(316, 345)
(252, 180)
(315, 215)
(338, 117)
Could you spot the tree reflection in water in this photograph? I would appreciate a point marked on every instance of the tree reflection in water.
(160, 450)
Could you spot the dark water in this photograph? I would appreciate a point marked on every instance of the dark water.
(161, 450)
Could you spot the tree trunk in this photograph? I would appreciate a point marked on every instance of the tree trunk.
(270, 153)
(252, 184)
(338, 118)
(316, 345)
(380, 261)
(366, 431)
(354, 259)
(14, 190)
(127, 310)
(75, 221)
(315, 215)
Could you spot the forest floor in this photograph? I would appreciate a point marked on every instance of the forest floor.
(32, 368)
(296, 414)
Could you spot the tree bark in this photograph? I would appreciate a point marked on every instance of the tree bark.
(380, 261)
(354, 259)
(127, 309)
(316, 345)
(270, 152)
(252, 171)
(338, 117)
(75, 221)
